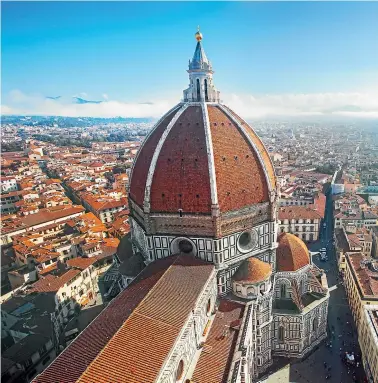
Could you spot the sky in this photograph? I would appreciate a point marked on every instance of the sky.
(270, 58)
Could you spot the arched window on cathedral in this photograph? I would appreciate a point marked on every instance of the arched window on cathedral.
(208, 307)
(281, 334)
(315, 324)
(301, 287)
(180, 370)
(198, 90)
(283, 290)
(206, 96)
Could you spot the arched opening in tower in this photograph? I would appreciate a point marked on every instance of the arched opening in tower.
(206, 96)
(198, 90)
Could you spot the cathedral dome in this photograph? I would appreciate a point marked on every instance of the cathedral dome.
(292, 253)
(252, 270)
(201, 157)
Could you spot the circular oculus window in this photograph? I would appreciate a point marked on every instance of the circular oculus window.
(247, 241)
(185, 246)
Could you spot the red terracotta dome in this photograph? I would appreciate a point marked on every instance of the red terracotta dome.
(292, 253)
(252, 270)
(201, 155)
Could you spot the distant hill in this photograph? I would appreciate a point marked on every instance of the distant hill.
(69, 121)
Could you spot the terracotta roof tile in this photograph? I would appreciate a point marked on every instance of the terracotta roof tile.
(213, 366)
(81, 263)
(143, 321)
(260, 147)
(51, 214)
(239, 173)
(181, 179)
(252, 270)
(142, 164)
(51, 283)
(292, 253)
(298, 212)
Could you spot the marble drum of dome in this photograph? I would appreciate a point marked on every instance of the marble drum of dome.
(252, 278)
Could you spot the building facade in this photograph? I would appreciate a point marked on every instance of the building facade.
(203, 203)
(360, 283)
(368, 339)
(300, 221)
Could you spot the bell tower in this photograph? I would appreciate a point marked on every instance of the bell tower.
(201, 87)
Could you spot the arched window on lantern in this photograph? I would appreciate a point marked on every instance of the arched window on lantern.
(198, 90)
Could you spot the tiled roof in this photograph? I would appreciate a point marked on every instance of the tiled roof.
(48, 269)
(51, 283)
(81, 263)
(260, 147)
(143, 161)
(368, 279)
(103, 202)
(252, 270)
(298, 212)
(47, 215)
(181, 178)
(214, 364)
(239, 173)
(143, 322)
(292, 253)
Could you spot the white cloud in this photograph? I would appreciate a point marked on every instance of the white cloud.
(315, 104)
(248, 106)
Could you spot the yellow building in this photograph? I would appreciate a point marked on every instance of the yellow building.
(342, 246)
(361, 283)
(368, 339)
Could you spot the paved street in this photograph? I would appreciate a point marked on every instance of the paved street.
(342, 333)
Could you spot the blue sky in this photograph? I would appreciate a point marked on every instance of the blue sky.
(133, 52)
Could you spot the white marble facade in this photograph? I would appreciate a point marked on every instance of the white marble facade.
(226, 253)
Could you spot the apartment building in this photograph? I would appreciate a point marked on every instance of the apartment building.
(301, 221)
(368, 340)
(8, 184)
(45, 217)
(361, 283)
(104, 207)
(343, 246)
